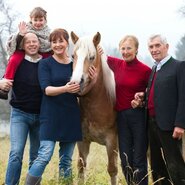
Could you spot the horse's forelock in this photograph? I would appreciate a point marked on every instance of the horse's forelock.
(81, 50)
(78, 69)
(86, 43)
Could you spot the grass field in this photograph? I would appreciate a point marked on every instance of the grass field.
(96, 173)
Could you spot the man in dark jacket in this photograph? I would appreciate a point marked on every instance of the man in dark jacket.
(165, 106)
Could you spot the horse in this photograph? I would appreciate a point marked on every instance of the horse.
(96, 102)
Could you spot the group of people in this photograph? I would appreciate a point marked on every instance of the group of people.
(43, 100)
(150, 105)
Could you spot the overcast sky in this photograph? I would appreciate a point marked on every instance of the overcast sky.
(113, 18)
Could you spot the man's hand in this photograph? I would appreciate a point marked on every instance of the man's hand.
(6, 84)
(138, 100)
(136, 103)
(178, 133)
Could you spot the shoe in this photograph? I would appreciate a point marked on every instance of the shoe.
(32, 180)
(3, 94)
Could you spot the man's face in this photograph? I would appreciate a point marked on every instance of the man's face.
(158, 49)
(31, 44)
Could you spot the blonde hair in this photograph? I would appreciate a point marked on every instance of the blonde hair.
(38, 12)
(129, 37)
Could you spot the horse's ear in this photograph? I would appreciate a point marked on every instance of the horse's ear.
(74, 37)
(96, 39)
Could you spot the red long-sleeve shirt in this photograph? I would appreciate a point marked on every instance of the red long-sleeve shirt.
(14, 62)
(151, 107)
(130, 77)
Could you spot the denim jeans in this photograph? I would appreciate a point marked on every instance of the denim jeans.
(132, 137)
(44, 156)
(21, 124)
(65, 156)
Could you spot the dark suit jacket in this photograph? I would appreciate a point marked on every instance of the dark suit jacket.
(169, 95)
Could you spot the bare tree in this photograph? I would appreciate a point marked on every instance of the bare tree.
(182, 11)
(179, 53)
(180, 47)
(8, 18)
(7, 27)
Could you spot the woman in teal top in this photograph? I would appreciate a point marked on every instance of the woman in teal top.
(60, 114)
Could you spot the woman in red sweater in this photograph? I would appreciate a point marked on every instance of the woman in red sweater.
(131, 76)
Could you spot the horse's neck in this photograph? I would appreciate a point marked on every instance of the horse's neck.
(96, 98)
(98, 87)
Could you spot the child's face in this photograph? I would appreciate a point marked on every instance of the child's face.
(38, 22)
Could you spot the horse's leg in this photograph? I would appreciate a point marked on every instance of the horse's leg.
(83, 150)
(112, 152)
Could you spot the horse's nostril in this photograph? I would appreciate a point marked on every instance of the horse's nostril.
(81, 83)
(92, 58)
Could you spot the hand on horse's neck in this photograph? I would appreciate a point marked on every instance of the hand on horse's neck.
(64, 59)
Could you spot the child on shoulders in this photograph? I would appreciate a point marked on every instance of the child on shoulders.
(37, 25)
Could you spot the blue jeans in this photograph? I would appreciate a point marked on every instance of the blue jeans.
(21, 124)
(132, 137)
(44, 156)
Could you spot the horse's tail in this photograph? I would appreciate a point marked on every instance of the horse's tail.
(108, 77)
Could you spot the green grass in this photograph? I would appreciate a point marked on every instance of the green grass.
(96, 173)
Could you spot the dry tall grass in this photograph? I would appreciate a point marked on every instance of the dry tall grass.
(96, 171)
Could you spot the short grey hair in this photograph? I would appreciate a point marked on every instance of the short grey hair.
(161, 37)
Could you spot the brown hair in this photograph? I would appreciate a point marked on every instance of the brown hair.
(59, 33)
(129, 37)
(38, 12)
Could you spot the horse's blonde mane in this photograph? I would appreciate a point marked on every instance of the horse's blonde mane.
(108, 77)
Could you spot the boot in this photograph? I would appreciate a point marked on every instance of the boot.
(3, 94)
(32, 180)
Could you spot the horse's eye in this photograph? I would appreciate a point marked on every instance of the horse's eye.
(73, 56)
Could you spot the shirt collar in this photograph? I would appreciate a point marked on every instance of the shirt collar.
(30, 59)
(162, 62)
